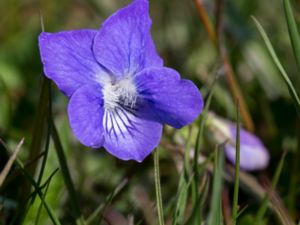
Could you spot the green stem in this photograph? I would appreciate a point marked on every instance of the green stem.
(263, 208)
(66, 175)
(158, 189)
(48, 208)
(237, 167)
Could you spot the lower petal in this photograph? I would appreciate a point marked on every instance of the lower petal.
(85, 115)
(128, 135)
(175, 101)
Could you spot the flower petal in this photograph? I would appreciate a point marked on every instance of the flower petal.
(175, 102)
(68, 58)
(128, 135)
(123, 44)
(253, 154)
(85, 115)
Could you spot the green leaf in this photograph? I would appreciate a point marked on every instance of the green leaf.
(215, 214)
(48, 208)
(195, 193)
(66, 175)
(263, 208)
(102, 207)
(293, 30)
(284, 75)
(36, 145)
(182, 195)
(237, 168)
(46, 185)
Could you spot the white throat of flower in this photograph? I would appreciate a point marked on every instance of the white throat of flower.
(120, 93)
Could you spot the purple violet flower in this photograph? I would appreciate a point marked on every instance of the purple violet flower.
(253, 153)
(120, 92)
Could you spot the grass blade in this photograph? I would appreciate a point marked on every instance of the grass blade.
(284, 75)
(215, 214)
(101, 208)
(66, 175)
(46, 185)
(263, 208)
(183, 186)
(293, 30)
(31, 180)
(159, 204)
(200, 132)
(10, 162)
(195, 194)
(36, 146)
(237, 167)
(182, 196)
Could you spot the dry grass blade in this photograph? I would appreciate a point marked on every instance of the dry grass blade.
(10, 162)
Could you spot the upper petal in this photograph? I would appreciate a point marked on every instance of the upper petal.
(68, 58)
(85, 115)
(123, 44)
(175, 102)
(129, 135)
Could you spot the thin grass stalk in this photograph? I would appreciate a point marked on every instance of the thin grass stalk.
(66, 175)
(101, 208)
(159, 204)
(47, 184)
(48, 208)
(10, 162)
(195, 192)
(47, 141)
(38, 215)
(237, 167)
(201, 128)
(230, 75)
(45, 155)
(215, 214)
(282, 71)
(263, 208)
(183, 185)
(293, 30)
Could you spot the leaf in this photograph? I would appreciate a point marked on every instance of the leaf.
(182, 195)
(284, 75)
(215, 214)
(293, 30)
(48, 208)
(66, 174)
(263, 208)
(237, 168)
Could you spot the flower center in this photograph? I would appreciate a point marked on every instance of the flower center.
(121, 93)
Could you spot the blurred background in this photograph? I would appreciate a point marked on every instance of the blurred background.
(182, 41)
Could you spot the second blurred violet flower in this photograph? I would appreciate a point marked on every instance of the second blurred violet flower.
(253, 153)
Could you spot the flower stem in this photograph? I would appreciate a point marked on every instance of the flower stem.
(158, 188)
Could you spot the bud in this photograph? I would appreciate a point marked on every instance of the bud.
(253, 153)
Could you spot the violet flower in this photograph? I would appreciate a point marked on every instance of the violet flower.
(253, 153)
(120, 92)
